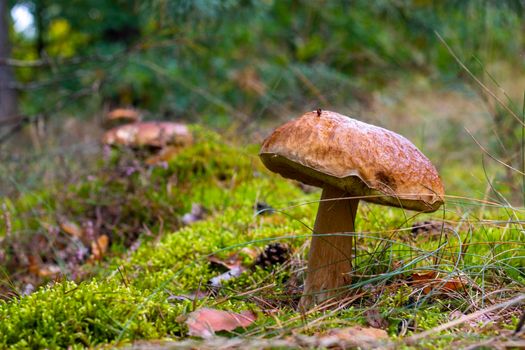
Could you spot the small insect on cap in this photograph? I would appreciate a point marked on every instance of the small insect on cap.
(328, 148)
(153, 134)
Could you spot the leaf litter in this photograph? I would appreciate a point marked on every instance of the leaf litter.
(205, 322)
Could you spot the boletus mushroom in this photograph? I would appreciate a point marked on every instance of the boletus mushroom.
(149, 134)
(165, 139)
(351, 161)
(120, 116)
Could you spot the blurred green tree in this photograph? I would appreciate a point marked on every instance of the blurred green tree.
(240, 58)
(8, 95)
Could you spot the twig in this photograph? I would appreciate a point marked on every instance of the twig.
(416, 337)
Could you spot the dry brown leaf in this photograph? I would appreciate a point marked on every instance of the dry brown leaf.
(71, 229)
(250, 251)
(232, 261)
(429, 281)
(374, 319)
(357, 336)
(49, 270)
(34, 265)
(205, 322)
(99, 247)
(42, 270)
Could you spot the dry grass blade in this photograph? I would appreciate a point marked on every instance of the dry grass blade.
(492, 156)
(483, 86)
(417, 337)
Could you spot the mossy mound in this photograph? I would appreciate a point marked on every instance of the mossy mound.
(137, 294)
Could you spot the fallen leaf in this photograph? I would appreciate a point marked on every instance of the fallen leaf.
(71, 228)
(99, 247)
(205, 322)
(430, 282)
(250, 251)
(34, 265)
(374, 319)
(42, 270)
(357, 336)
(49, 270)
(228, 263)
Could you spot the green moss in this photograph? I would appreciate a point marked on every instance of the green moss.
(131, 297)
(89, 313)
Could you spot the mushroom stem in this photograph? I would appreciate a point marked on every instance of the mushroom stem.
(329, 262)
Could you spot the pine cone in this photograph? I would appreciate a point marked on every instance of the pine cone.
(273, 254)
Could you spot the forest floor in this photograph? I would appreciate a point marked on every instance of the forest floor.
(129, 252)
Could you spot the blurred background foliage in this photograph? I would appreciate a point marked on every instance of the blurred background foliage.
(212, 57)
(246, 64)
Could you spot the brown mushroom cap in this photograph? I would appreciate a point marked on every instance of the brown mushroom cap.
(152, 134)
(129, 114)
(364, 160)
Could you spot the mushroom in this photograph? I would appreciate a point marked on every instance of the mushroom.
(351, 161)
(121, 116)
(149, 134)
(166, 138)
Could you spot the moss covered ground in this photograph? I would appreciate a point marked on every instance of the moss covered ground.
(136, 291)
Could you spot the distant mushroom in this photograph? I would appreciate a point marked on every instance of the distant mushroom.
(350, 160)
(149, 134)
(167, 138)
(120, 116)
